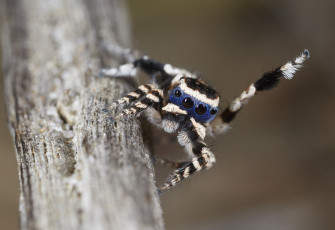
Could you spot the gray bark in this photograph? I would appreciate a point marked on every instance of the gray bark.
(77, 170)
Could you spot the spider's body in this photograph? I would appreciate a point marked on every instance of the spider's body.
(178, 102)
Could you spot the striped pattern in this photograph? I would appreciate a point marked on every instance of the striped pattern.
(135, 95)
(291, 67)
(268, 81)
(196, 94)
(135, 109)
(190, 131)
(154, 96)
(199, 128)
(242, 99)
(205, 160)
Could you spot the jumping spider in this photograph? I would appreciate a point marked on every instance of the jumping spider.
(176, 101)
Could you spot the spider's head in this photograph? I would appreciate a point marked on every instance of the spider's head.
(196, 98)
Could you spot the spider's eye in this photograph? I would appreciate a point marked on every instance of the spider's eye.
(200, 109)
(177, 93)
(213, 111)
(188, 102)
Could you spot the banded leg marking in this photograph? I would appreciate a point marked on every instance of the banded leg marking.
(154, 68)
(204, 161)
(134, 95)
(268, 81)
(155, 96)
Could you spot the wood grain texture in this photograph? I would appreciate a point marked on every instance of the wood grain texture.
(77, 170)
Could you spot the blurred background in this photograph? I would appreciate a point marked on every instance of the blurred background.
(276, 167)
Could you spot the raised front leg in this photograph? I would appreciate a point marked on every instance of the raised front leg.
(268, 81)
(162, 75)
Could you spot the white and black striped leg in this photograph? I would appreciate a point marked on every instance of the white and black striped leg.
(151, 67)
(189, 134)
(148, 65)
(204, 160)
(134, 95)
(152, 99)
(268, 81)
(162, 74)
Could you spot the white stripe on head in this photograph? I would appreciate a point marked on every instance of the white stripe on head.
(196, 94)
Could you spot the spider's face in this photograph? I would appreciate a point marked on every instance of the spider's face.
(196, 98)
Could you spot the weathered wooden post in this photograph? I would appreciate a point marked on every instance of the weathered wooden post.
(77, 170)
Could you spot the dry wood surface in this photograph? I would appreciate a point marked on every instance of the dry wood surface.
(77, 169)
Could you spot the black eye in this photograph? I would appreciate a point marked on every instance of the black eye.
(177, 93)
(213, 111)
(200, 109)
(188, 103)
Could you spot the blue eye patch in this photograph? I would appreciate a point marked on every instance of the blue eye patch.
(195, 108)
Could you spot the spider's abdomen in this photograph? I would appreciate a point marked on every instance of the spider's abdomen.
(196, 98)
